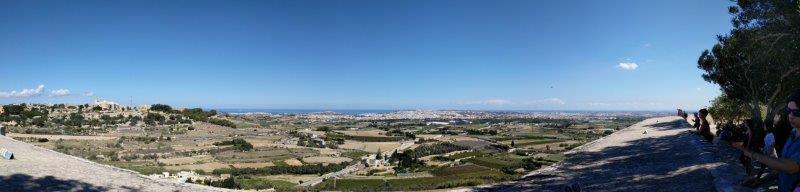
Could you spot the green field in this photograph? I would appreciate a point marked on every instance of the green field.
(145, 168)
(494, 162)
(466, 175)
(260, 183)
(536, 142)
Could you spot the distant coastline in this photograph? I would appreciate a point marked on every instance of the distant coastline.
(380, 111)
(306, 111)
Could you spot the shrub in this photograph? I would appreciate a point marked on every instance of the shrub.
(222, 122)
(237, 143)
(161, 107)
(276, 170)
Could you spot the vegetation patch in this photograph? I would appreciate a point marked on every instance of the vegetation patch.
(238, 144)
(464, 155)
(468, 175)
(275, 170)
(221, 122)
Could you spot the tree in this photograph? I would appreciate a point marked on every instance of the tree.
(222, 122)
(728, 110)
(237, 143)
(161, 107)
(13, 109)
(75, 119)
(153, 119)
(758, 62)
(324, 128)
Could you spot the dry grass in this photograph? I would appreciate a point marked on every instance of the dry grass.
(371, 147)
(253, 165)
(290, 178)
(178, 161)
(322, 159)
(293, 162)
(207, 167)
(64, 137)
(371, 133)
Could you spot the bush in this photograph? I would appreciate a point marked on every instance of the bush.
(161, 107)
(197, 114)
(324, 128)
(229, 183)
(153, 119)
(438, 148)
(276, 170)
(259, 183)
(222, 122)
(237, 143)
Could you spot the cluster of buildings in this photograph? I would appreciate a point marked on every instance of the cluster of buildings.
(93, 110)
(374, 162)
(184, 176)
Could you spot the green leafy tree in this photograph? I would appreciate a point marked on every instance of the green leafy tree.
(13, 109)
(758, 62)
(75, 119)
(153, 119)
(161, 107)
(728, 110)
(222, 122)
(237, 143)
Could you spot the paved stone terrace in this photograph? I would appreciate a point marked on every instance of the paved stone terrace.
(668, 158)
(38, 169)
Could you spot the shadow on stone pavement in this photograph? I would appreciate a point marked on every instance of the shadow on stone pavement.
(666, 163)
(23, 182)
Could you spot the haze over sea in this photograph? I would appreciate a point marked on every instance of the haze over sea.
(378, 111)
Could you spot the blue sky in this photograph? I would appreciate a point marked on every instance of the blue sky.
(536, 55)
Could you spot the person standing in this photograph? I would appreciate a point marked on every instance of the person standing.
(705, 128)
(696, 121)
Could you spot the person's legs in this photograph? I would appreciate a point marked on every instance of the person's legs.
(748, 166)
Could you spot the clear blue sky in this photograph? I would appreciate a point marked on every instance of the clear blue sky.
(362, 54)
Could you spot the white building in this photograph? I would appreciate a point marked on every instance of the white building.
(437, 123)
(108, 105)
(182, 176)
